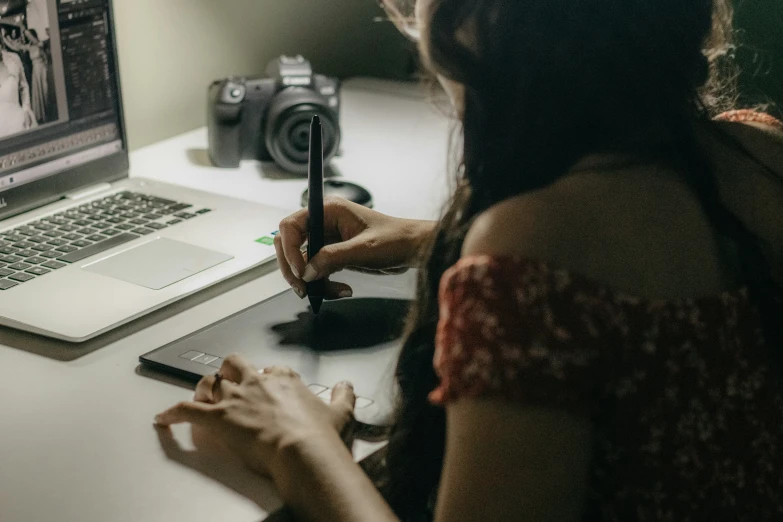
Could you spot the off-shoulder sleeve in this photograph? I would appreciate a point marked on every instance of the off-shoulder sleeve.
(517, 331)
(748, 115)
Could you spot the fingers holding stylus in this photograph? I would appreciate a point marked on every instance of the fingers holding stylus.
(296, 283)
(293, 233)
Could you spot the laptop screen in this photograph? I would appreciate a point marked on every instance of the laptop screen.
(59, 105)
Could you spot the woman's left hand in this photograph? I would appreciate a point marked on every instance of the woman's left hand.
(260, 415)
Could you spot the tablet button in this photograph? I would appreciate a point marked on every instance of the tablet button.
(191, 355)
(205, 359)
(217, 363)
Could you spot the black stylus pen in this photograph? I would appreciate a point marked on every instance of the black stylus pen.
(315, 207)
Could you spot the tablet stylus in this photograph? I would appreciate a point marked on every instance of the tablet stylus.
(315, 206)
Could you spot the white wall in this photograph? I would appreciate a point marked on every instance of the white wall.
(171, 50)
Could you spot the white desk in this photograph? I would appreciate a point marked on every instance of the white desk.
(76, 436)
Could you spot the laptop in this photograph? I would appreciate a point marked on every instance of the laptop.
(357, 339)
(84, 248)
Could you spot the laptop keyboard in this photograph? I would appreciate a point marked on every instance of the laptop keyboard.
(38, 248)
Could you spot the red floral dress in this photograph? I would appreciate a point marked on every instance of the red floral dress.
(684, 395)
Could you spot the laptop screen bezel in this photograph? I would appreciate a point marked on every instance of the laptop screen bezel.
(107, 169)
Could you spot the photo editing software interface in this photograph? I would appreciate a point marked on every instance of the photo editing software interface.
(59, 105)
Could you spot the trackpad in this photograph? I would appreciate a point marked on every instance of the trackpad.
(158, 264)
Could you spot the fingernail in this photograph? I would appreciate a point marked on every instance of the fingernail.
(345, 293)
(298, 291)
(158, 419)
(310, 274)
(347, 384)
(295, 272)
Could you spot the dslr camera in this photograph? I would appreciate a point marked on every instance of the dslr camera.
(268, 118)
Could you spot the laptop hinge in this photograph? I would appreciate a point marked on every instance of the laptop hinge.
(90, 191)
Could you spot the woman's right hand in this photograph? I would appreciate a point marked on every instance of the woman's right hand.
(357, 238)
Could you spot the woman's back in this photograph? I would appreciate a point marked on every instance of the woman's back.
(631, 310)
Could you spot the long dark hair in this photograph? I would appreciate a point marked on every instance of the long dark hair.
(547, 82)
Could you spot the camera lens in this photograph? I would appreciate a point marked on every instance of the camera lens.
(287, 133)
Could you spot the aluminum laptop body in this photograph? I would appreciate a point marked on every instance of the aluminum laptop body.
(84, 248)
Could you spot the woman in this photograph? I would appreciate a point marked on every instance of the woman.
(40, 79)
(599, 300)
(15, 112)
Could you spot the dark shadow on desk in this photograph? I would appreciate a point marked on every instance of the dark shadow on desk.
(358, 323)
(199, 157)
(64, 351)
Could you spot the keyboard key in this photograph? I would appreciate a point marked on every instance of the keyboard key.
(97, 248)
(42, 248)
(54, 265)
(24, 245)
(38, 271)
(110, 232)
(156, 226)
(38, 239)
(4, 272)
(19, 266)
(142, 231)
(139, 221)
(68, 228)
(27, 231)
(86, 231)
(8, 250)
(16, 238)
(67, 249)
(52, 233)
(185, 215)
(115, 220)
(174, 222)
(94, 238)
(72, 237)
(81, 223)
(81, 243)
(10, 259)
(44, 227)
(35, 260)
(110, 213)
(21, 277)
(101, 226)
(26, 253)
(57, 242)
(153, 217)
(96, 217)
(58, 221)
(178, 207)
(125, 226)
(51, 254)
(162, 201)
(204, 211)
(5, 284)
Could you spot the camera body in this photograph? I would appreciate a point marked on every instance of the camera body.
(268, 118)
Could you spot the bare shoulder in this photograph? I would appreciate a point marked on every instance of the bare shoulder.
(641, 232)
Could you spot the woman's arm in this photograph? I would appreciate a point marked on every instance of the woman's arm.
(509, 462)
(16, 46)
(320, 481)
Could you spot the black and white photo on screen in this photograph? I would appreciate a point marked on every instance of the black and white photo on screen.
(27, 92)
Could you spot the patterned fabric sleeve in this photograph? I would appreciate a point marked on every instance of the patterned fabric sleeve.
(516, 331)
(747, 115)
